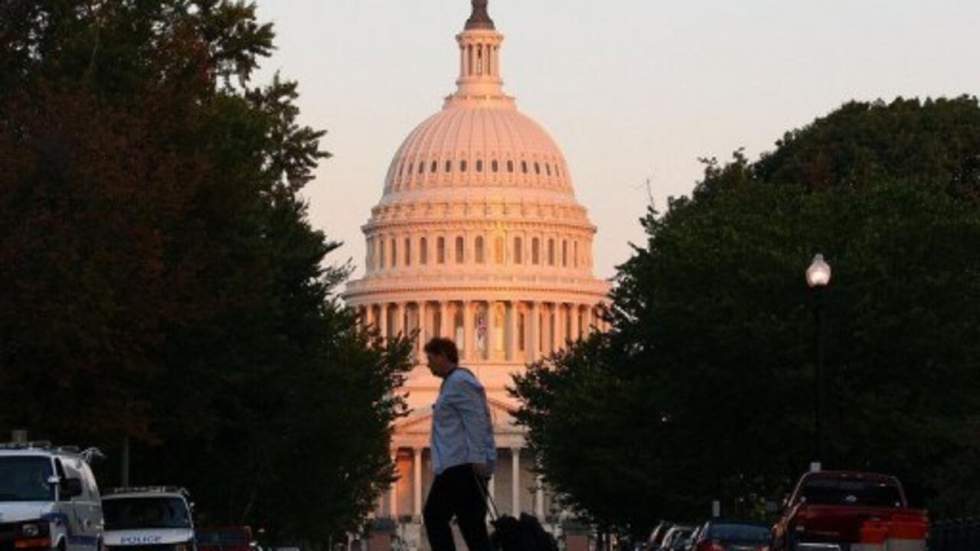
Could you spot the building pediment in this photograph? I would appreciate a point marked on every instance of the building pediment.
(419, 421)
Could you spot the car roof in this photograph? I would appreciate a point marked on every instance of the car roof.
(736, 521)
(129, 495)
(858, 475)
(28, 452)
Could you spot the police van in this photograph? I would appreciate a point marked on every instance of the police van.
(49, 499)
(156, 518)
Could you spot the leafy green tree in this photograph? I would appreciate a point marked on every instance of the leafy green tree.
(709, 367)
(161, 282)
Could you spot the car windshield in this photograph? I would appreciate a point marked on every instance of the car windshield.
(738, 532)
(132, 513)
(832, 491)
(25, 478)
(223, 537)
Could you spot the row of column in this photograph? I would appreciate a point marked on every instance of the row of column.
(487, 330)
(515, 487)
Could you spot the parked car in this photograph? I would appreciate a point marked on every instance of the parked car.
(731, 535)
(49, 499)
(657, 536)
(148, 516)
(689, 544)
(675, 538)
(836, 509)
(224, 538)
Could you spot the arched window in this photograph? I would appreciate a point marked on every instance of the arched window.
(547, 169)
(441, 250)
(478, 245)
(433, 167)
(518, 250)
(381, 254)
(411, 166)
(575, 253)
(498, 250)
(408, 251)
(537, 168)
(551, 252)
(449, 166)
(564, 253)
(524, 167)
(462, 166)
(493, 165)
(535, 251)
(394, 252)
(423, 251)
(460, 249)
(421, 167)
(510, 166)
(479, 165)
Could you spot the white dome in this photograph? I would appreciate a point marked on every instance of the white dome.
(478, 144)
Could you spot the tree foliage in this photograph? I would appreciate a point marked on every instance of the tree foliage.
(160, 280)
(705, 386)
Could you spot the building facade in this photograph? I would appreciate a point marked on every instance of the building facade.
(477, 237)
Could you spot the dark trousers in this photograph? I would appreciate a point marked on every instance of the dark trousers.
(455, 493)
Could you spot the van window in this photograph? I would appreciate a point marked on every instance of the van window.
(145, 512)
(25, 478)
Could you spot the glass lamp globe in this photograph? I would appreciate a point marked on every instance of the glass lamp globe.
(818, 274)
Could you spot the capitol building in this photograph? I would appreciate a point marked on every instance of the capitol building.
(477, 237)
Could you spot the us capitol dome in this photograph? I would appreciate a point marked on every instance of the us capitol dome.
(477, 237)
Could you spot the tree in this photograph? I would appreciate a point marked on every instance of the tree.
(161, 282)
(710, 362)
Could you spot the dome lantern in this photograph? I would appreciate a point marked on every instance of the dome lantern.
(479, 59)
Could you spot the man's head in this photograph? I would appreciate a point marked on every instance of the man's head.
(441, 356)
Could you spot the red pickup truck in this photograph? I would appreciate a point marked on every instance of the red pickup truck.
(849, 511)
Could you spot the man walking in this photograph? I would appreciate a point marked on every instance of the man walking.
(463, 453)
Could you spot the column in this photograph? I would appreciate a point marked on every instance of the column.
(533, 324)
(399, 327)
(446, 328)
(539, 499)
(556, 343)
(491, 484)
(576, 322)
(393, 491)
(423, 324)
(515, 454)
(511, 331)
(417, 482)
(383, 322)
(468, 340)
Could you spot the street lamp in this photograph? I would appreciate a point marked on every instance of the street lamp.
(818, 278)
(818, 274)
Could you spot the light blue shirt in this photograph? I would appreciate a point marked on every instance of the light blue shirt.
(461, 428)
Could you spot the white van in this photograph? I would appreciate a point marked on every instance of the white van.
(141, 519)
(49, 499)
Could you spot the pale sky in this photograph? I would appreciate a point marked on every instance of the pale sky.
(630, 89)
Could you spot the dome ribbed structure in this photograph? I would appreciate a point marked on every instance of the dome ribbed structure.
(478, 236)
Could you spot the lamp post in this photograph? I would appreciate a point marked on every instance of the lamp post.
(817, 278)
